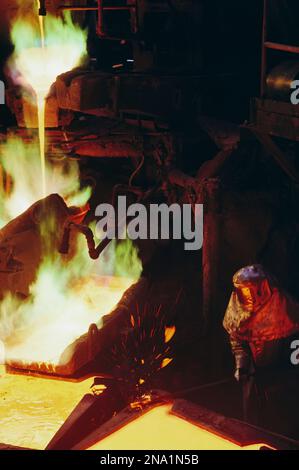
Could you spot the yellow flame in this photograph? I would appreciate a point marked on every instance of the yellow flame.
(65, 299)
(169, 333)
(42, 52)
(67, 296)
(37, 67)
(20, 160)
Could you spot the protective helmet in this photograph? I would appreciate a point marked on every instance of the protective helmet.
(252, 286)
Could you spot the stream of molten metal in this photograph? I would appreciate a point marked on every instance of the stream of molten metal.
(41, 110)
(42, 30)
(41, 135)
(44, 50)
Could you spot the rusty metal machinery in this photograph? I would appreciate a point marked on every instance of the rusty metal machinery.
(160, 98)
(131, 16)
(151, 86)
(272, 113)
(154, 31)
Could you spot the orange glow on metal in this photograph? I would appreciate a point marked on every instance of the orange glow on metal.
(158, 429)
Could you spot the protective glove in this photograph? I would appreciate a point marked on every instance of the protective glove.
(244, 367)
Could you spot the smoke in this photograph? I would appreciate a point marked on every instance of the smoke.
(21, 161)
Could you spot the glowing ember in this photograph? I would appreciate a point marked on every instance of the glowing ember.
(158, 429)
(166, 361)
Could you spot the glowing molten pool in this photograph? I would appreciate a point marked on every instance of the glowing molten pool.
(158, 429)
(32, 409)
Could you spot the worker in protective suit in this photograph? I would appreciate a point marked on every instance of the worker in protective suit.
(261, 320)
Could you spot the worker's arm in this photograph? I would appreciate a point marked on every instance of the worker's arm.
(243, 359)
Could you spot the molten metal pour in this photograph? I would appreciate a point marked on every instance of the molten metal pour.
(62, 47)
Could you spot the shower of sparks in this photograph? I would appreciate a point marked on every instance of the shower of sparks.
(145, 349)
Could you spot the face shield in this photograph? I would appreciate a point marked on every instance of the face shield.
(252, 287)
